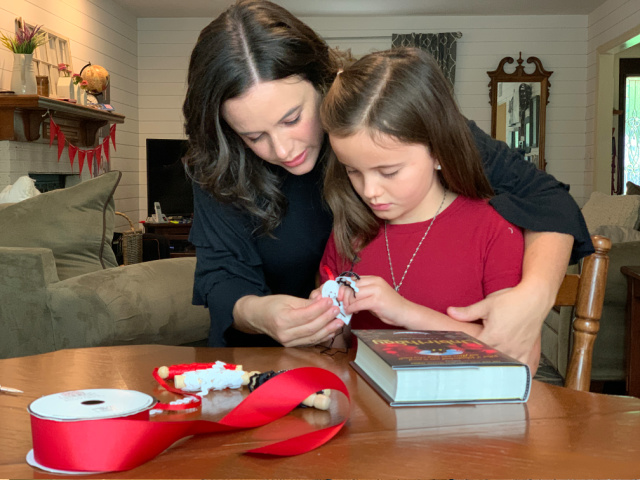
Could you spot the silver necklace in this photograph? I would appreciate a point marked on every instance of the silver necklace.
(386, 239)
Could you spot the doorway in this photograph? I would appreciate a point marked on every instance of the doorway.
(628, 136)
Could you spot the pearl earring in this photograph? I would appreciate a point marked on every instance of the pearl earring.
(438, 167)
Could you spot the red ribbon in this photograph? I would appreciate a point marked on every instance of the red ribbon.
(328, 272)
(125, 443)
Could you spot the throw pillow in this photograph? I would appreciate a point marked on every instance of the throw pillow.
(633, 189)
(602, 209)
(23, 188)
(76, 223)
(618, 234)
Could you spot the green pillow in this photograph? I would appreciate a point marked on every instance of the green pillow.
(76, 223)
(633, 189)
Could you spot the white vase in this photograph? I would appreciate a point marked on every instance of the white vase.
(65, 88)
(23, 77)
(81, 95)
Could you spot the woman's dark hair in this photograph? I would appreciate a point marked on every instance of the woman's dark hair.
(252, 41)
(401, 93)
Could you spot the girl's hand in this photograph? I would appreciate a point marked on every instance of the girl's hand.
(378, 297)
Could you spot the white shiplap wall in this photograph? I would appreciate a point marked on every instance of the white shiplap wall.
(103, 33)
(559, 41)
(610, 26)
(164, 48)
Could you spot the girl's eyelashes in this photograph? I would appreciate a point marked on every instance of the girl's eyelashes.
(351, 171)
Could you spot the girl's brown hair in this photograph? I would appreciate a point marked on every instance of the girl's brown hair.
(401, 93)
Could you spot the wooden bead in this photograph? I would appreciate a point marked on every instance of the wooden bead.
(178, 381)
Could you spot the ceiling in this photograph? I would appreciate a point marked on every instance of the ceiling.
(308, 8)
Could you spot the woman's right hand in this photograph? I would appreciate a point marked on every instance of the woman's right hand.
(289, 320)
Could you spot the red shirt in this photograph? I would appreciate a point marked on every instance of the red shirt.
(470, 252)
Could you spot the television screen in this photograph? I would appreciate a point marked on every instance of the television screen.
(167, 181)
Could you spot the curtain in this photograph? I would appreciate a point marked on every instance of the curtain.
(441, 45)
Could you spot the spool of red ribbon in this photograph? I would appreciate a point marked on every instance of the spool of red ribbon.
(125, 442)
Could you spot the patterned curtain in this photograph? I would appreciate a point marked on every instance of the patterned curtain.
(441, 45)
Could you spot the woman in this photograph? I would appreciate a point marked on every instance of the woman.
(256, 78)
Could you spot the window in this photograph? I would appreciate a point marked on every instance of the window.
(47, 57)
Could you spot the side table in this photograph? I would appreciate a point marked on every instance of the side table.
(632, 321)
(177, 234)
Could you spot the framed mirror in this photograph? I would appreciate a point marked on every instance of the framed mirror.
(518, 107)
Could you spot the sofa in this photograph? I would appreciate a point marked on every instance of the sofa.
(617, 218)
(61, 287)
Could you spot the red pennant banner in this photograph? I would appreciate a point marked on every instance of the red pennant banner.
(61, 139)
(119, 444)
(53, 130)
(81, 154)
(72, 153)
(105, 148)
(112, 134)
(90, 161)
(98, 153)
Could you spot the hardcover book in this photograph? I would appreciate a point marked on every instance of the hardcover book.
(410, 368)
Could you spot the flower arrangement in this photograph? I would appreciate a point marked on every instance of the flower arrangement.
(25, 41)
(63, 68)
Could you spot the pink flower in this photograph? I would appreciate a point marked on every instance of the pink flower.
(63, 68)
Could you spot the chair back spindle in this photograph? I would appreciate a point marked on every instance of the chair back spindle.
(585, 292)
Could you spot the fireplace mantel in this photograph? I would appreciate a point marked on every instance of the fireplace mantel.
(22, 120)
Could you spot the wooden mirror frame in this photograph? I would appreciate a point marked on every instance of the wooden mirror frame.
(520, 76)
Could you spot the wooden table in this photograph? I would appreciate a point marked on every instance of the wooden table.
(559, 433)
(632, 330)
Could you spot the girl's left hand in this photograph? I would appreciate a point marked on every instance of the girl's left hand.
(380, 298)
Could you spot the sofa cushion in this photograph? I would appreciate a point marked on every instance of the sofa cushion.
(618, 234)
(602, 209)
(76, 223)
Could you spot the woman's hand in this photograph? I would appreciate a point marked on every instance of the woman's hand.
(289, 320)
(513, 318)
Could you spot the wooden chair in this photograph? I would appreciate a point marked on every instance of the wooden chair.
(585, 292)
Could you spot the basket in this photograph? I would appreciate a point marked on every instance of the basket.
(131, 244)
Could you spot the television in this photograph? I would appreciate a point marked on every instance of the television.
(167, 182)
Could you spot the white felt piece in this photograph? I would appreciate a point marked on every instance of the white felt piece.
(330, 290)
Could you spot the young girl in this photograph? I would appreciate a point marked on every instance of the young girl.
(409, 198)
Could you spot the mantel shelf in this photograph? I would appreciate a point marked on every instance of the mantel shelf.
(21, 118)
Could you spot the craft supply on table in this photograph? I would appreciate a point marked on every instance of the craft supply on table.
(9, 390)
(107, 430)
(200, 378)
